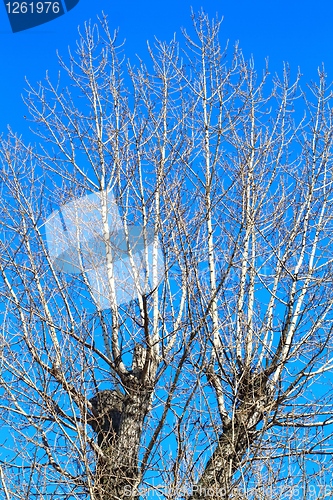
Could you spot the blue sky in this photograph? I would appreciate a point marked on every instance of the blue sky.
(299, 32)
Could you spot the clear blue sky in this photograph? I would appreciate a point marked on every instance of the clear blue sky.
(299, 32)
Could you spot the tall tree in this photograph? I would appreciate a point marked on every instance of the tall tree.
(180, 344)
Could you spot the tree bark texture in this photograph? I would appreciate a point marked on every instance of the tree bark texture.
(118, 421)
(254, 397)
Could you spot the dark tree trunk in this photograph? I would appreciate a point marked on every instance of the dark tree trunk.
(254, 398)
(118, 423)
(118, 420)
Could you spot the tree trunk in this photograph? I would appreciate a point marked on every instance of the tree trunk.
(118, 420)
(254, 397)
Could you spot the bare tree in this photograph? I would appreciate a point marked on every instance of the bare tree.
(210, 379)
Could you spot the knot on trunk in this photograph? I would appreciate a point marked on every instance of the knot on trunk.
(253, 393)
(107, 410)
(139, 361)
